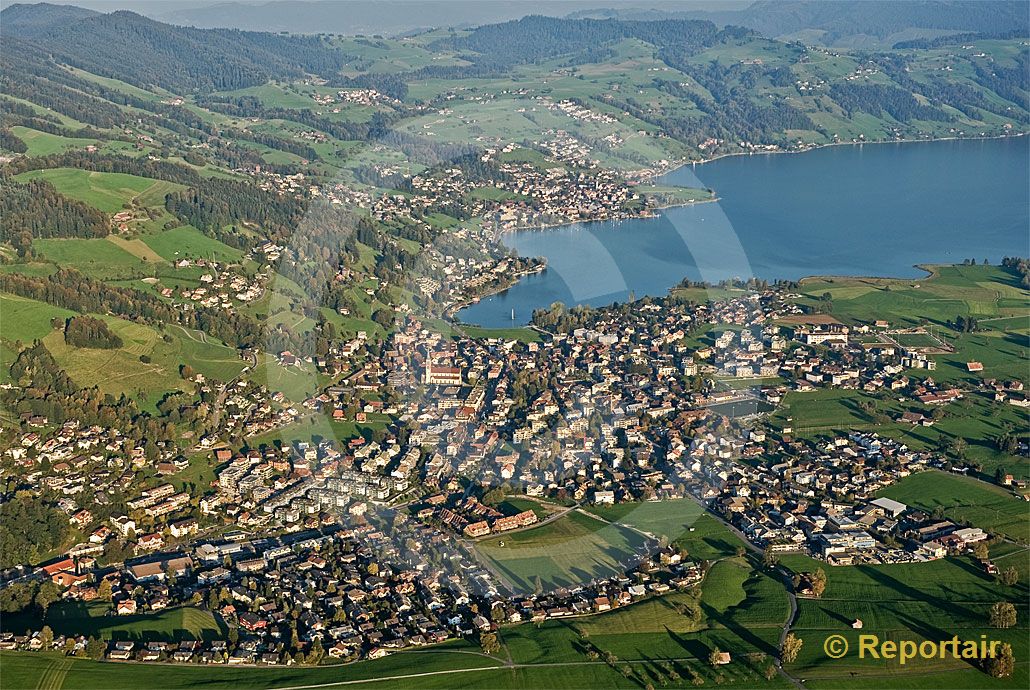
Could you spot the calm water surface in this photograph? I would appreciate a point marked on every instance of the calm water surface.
(845, 210)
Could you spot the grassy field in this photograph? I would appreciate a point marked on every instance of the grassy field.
(98, 258)
(572, 549)
(976, 419)
(670, 520)
(318, 427)
(43, 143)
(923, 601)
(51, 671)
(990, 294)
(743, 612)
(187, 241)
(23, 321)
(26, 319)
(78, 618)
(108, 192)
(965, 500)
(121, 370)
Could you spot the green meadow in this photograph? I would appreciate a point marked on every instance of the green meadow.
(98, 257)
(919, 601)
(123, 370)
(965, 500)
(976, 419)
(43, 143)
(95, 619)
(108, 192)
(26, 320)
(187, 241)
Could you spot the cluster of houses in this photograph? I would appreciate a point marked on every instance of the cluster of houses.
(346, 591)
(469, 516)
(221, 285)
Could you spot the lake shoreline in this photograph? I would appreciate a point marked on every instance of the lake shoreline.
(973, 162)
(817, 147)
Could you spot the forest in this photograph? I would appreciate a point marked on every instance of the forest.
(173, 57)
(36, 209)
(91, 332)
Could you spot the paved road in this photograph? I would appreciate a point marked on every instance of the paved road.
(787, 583)
(502, 667)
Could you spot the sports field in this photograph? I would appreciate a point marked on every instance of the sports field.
(573, 549)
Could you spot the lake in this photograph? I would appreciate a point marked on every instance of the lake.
(875, 210)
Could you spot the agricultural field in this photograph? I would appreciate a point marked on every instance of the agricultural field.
(983, 292)
(44, 143)
(743, 612)
(93, 619)
(26, 320)
(921, 601)
(572, 549)
(634, 113)
(976, 419)
(187, 241)
(98, 258)
(52, 671)
(965, 500)
(108, 192)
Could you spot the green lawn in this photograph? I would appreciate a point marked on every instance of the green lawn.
(670, 519)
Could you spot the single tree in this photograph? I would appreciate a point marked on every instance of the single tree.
(791, 648)
(1003, 615)
(46, 637)
(1002, 663)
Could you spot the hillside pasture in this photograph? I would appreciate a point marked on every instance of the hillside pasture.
(121, 370)
(108, 192)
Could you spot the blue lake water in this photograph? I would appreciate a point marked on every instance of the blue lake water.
(843, 210)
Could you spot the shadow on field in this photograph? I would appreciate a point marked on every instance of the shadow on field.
(909, 592)
(741, 631)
